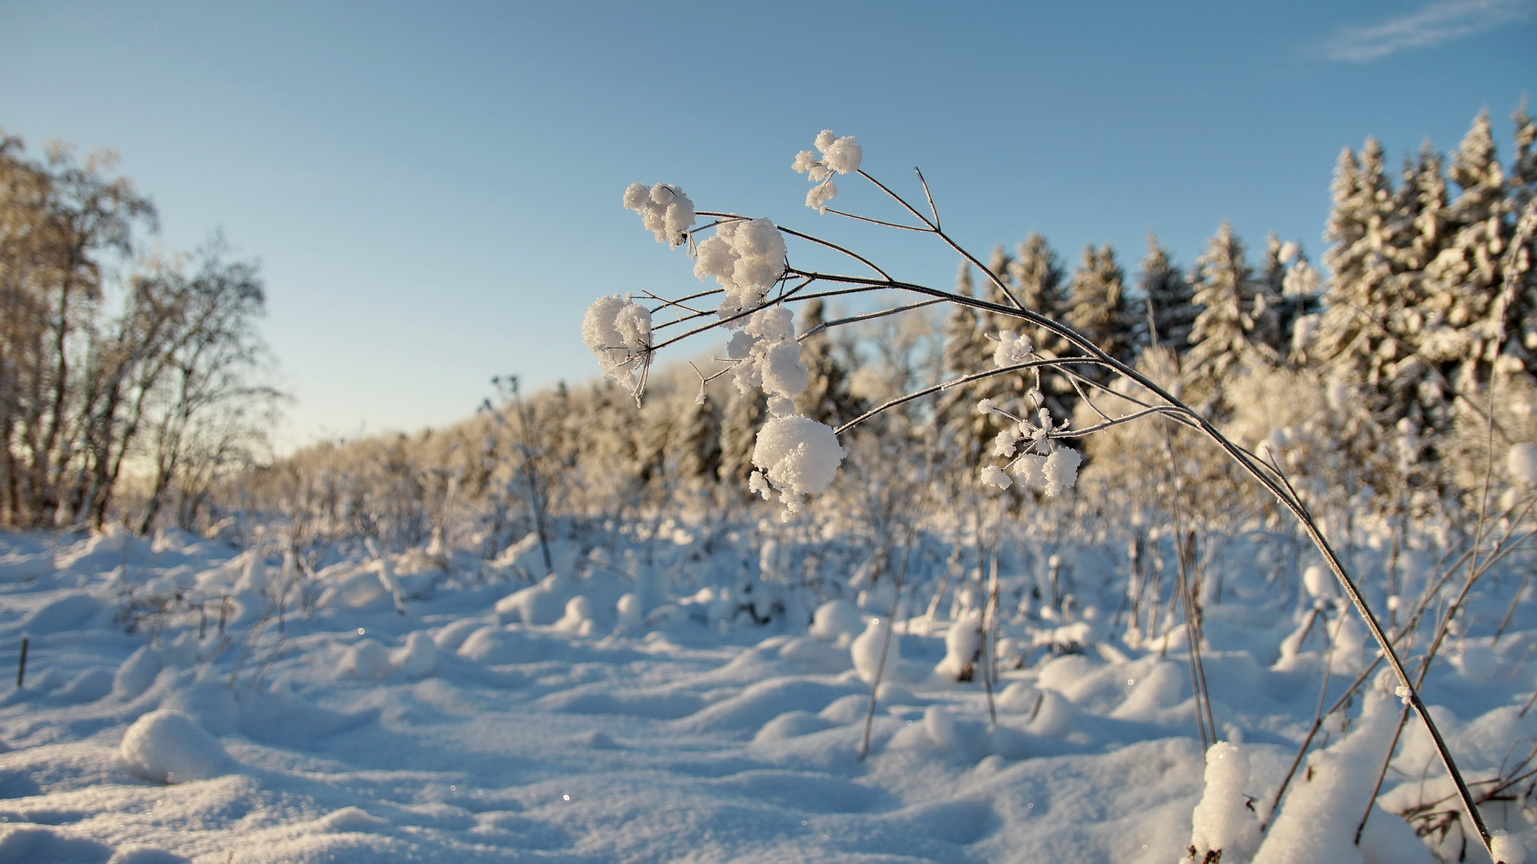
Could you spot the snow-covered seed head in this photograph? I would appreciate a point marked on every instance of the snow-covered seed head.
(837, 156)
(795, 456)
(664, 210)
(1013, 348)
(618, 331)
(747, 256)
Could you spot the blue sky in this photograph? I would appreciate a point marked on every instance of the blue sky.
(433, 190)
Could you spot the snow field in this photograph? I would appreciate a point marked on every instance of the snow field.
(569, 719)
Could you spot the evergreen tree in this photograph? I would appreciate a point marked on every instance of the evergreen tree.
(826, 398)
(1464, 315)
(1291, 291)
(1169, 299)
(1423, 201)
(1520, 315)
(1098, 306)
(1040, 284)
(1233, 313)
(696, 455)
(1369, 326)
(740, 423)
(1301, 308)
(967, 433)
(1523, 168)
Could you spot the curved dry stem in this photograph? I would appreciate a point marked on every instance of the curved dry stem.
(1174, 408)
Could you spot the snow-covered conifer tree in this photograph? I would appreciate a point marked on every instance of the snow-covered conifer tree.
(826, 398)
(1233, 314)
(1098, 305)
(1169, 311)
(969, 433)
(1370, 328)
(698, 442)
(740, 422)
(1464, 315)
(1041, 285)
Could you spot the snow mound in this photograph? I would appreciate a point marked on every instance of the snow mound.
(169, 747)
(836, 621)
(866, 651)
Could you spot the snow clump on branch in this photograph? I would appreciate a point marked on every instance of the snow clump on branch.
(768, 358)
(664, 210)
(838, 156)
(747, 256)
(1037, 461)
(795, 456)
(618, 330)
(1012, 349)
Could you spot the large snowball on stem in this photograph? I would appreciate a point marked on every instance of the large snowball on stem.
(618, 331)
(797, 455)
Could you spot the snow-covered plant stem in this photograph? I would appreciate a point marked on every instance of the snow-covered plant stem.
(797, 456)
(526, 438)
(888, 634)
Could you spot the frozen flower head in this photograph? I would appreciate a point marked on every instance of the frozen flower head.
(1035, 460)
(835, 156)
(769, 358)
(1012, 348)
(619, 332)
(992, 475)
(795, 456)
(1060, 471)
(664, 210)
(747, 256)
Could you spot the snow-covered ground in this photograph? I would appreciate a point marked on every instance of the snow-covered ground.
(186, 701)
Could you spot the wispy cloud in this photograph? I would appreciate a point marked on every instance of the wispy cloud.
(1432, 24)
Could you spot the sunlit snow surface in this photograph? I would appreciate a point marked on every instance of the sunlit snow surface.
(253, 713)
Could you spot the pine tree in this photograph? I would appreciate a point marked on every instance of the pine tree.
(1040, 284)
(1520, 314)
(1523, 167)
(697, 449)
(1168, 299)
(826, 398)
(1233, 313)
(967, 350)
(1300, 309)
(742, 419)
(1369, 328)
(1464, 281)
(1097, 303)
(1290, 290)
(1422, 199)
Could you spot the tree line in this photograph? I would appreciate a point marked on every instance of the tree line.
(1377, 382)
(122, 365)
